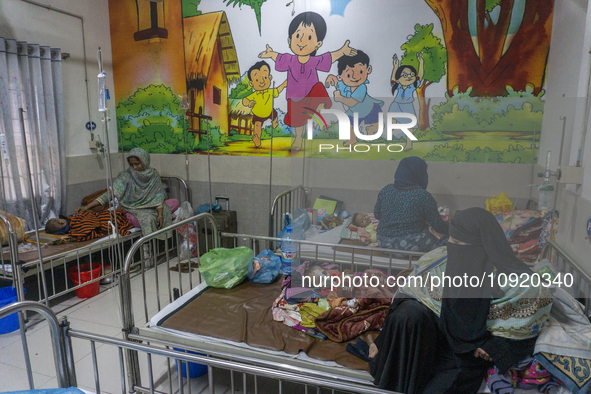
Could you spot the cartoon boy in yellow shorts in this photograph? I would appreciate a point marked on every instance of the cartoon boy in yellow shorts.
(261, 100)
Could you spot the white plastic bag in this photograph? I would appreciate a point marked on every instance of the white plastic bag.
(187, 232)
(185, 211)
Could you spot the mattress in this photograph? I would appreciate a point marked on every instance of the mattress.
(344, 255)
(49, 251)
(242, 317)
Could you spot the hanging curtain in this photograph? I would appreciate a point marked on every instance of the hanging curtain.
(31, 79)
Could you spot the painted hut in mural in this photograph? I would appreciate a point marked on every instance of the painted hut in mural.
(210, 63)
(240, 117)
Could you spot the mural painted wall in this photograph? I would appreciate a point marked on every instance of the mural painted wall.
(472, 71)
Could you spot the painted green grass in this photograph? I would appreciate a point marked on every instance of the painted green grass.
(471, 149)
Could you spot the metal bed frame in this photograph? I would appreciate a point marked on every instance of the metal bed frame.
(110, 249)
(287, 201)
(339, 377)
(581, 281)
(130, 349)
(61, 339)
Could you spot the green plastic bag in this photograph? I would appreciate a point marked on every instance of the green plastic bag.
(225, 268)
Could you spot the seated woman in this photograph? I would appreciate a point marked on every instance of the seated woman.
(419, 352)
(88, 225)
(406, 211)
(140, 192)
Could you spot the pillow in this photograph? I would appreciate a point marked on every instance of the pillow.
(18, 226)
(346, 232)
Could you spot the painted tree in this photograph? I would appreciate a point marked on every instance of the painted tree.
(190, 8)
(434, 55)
(254, 4)
(494, 43)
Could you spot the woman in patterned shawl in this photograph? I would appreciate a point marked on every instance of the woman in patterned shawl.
(477, 247)
(139, 191)
(441, 339)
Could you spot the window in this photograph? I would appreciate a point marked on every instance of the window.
(217, 96)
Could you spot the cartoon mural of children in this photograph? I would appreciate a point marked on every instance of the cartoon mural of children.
(261, 100)
(304, 91)
(405, 81)
(351, 90)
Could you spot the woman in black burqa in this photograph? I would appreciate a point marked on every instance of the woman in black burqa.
(417, 352)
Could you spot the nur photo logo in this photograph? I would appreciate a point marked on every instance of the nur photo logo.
(391, 129)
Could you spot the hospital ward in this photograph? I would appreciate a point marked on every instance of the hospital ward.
(295, 196)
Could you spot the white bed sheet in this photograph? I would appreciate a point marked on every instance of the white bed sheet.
(170, 308)
(333, 237)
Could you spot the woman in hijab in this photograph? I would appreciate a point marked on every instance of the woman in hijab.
(443, 339)
(408, 214)
(477, 246)
(139, 191)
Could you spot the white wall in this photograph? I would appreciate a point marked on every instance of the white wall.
(565, 79)
(26, 22)
(567, 83)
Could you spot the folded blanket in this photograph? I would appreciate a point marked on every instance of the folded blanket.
(356, 309)
(511, 221)
(523, 230)
(344, 323)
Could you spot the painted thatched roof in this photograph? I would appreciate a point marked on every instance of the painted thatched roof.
(237, 109)
(201, 34)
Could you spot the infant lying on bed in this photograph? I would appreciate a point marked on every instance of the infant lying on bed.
(88, 225)
(361, 222)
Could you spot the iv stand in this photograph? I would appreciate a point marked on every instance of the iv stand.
(34, 206)
(109, 177)
(185, 106)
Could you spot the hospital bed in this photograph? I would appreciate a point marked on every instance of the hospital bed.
(205, 333)
(103, 371)
(57, 259)
(328, 245)
(206, 308)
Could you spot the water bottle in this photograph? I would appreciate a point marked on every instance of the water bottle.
(288, 252)
(545, 202)
(102, 91)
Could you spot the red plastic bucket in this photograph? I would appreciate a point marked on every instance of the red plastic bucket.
(86, 275)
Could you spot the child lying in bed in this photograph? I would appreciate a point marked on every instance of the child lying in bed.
(88, 225)
(361, 222)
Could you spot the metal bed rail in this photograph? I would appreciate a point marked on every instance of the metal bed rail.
(288, 201)
(110, 250)
(178, 187)
(251, 375)
(357, 257)
(8, 268)
(180, 252)
(161, 279)
(164, 284)
(581, 288)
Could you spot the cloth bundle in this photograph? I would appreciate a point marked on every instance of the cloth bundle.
(339, 314)
(523, 230)
(18, 226)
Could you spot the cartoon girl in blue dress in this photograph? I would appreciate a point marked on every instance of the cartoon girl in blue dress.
(405, 80)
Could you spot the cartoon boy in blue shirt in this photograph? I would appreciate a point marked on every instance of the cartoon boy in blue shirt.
(351, 90)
